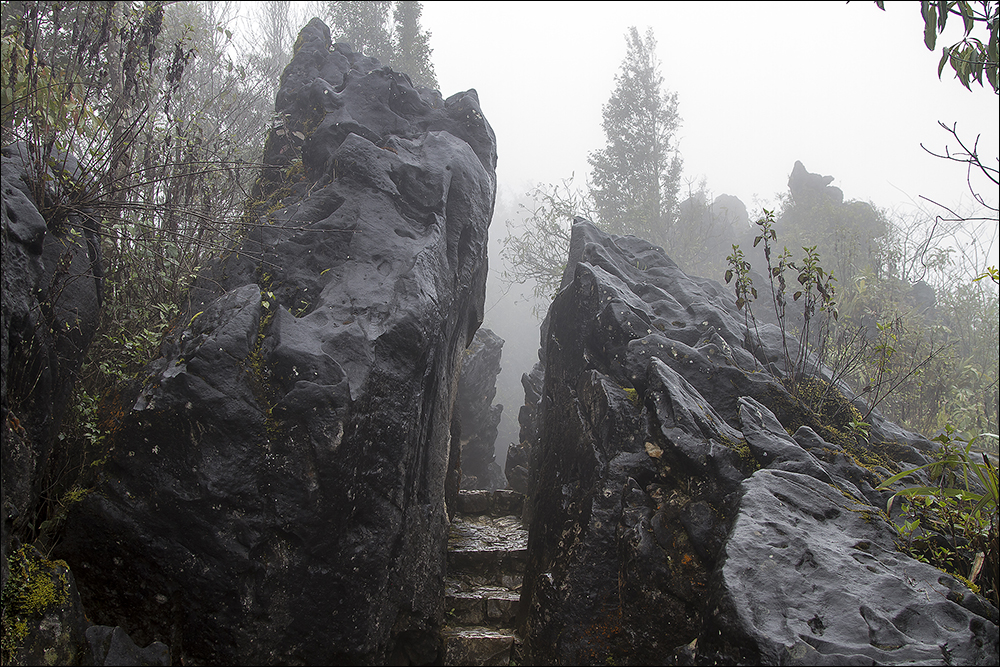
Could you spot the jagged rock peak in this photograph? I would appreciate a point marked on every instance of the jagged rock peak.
(276, 491)
(480, 418)
(807, 187)
(674, 520)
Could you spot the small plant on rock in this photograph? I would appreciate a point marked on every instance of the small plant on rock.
(953, 524)
(816, 291)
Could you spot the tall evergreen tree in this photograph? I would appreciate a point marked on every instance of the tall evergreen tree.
(635, 178)
(276, 38)
(363, 25)
(413, 51)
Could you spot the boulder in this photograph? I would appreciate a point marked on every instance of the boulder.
(112, 646)
(732, 211)
(276, 489)
(675, 520)
(810, 576)
(52, 275)
(478, 417)
(44, 622)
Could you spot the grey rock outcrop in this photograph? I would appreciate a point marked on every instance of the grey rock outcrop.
(519, 454)
(51, 300)
(112, 646)
(44, 622)
(478, 416)
(809, 188)
(731, 210)
(276, 491)
(674, 519)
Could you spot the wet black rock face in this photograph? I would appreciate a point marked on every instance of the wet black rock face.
(51, 301)
(276, 492)
(673, 517)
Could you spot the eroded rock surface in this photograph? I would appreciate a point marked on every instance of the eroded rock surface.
(673, 517)
(51, 300)
(479, 417)
(276, 493)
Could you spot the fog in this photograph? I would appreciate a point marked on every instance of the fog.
(849, 90)
(845, 88)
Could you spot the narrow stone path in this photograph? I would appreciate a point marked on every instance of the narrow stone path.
(487, 548)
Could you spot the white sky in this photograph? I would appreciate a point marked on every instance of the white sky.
(849, 90)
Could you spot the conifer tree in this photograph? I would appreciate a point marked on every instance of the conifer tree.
(399, 43)
(363, 25)
(635, 178)
(413, 52)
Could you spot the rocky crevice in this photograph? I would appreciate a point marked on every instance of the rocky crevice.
(487, 545)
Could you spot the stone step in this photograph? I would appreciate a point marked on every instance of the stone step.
(476, 646)
(471, 534)
(494, 503)
(494, 606)
(488, 550)
(506, 574)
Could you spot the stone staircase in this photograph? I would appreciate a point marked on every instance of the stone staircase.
(487, 548)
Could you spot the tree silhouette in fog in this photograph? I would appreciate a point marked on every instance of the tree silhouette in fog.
(635, 178)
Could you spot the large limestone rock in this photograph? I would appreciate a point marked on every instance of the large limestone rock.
(51, 300)
(276, 492)
(519, 454)
(673, 517)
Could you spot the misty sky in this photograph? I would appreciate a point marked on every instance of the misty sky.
(849, 90)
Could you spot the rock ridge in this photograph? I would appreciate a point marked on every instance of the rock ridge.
(276, 490)
(674, 519)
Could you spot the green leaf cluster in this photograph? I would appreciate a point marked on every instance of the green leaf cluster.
(960, 506)
(972, 57)
(816, 292)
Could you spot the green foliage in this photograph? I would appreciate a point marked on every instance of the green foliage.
(168, 126)
(859, 429)
(705, 230)
(953, 524)
(916, 335)
(850, 236)
(635, 179)
(538, 251)
(991, 273)
(816, 291)
(39, 95)
(925, 356)
(412, 52)
(363, 25)
(740, 269)
(969, 58)
(275, 23)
